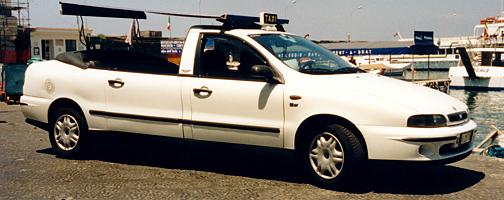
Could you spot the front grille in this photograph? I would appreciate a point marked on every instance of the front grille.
(459, 116)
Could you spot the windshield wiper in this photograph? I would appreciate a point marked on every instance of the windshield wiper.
(317, 71)
(348, 70)
(344, 70)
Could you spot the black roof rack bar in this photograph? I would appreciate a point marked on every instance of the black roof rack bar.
(94, 11)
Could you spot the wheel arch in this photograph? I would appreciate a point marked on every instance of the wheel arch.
(66, 103)
(323, 120)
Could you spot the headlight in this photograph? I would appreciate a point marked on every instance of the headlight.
(427, 121)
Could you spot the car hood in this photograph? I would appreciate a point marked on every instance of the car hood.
(421, 99)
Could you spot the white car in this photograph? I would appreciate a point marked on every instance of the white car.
(254, 87)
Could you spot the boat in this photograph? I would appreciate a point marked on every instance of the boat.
(490, 27)
(385, 68)
(484, 70)
(489, 32)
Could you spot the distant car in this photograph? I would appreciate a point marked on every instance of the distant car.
(249, 86)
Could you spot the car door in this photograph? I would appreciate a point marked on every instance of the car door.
(228, 104)
(143, 96)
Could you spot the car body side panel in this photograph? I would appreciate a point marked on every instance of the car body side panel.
(52, 80)
(254, 108)
(156, 97)
(351, 108)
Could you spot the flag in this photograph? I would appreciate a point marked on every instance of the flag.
(132, 34)
(169, 24)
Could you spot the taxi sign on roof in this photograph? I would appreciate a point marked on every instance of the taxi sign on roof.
(268, 19)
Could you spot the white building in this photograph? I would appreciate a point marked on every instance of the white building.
(47, 43)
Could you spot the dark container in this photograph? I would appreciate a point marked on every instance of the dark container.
(12, 82)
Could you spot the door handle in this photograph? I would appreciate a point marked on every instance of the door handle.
(203, 89)
(117, 83)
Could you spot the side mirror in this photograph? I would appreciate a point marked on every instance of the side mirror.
(265, 72)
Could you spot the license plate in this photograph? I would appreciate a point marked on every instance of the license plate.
(465, 138)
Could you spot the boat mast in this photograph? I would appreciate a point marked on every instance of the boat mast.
(502, 7)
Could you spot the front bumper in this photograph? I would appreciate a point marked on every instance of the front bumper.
(416, 144)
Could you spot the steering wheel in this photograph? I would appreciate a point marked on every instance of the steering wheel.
(306, 63)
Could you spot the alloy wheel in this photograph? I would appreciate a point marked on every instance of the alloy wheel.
(326, 156)
(66, 132)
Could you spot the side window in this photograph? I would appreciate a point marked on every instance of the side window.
(227, 57)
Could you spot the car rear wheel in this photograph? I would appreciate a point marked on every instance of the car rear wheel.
(333, 156)
(67, 132)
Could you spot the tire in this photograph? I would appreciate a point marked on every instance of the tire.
(68, 132)
(332, 157)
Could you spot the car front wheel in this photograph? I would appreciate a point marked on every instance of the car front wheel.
(332, 156)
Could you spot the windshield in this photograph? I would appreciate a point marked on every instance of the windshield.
(303, 55)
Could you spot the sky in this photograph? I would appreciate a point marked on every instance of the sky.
(372, 20)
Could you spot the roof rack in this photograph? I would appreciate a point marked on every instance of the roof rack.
(228, 21)
(95, 11)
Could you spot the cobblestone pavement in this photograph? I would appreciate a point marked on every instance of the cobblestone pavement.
(145, 167)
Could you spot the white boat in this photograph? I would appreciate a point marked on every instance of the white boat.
(379, 65)
(483, 71)
(489, 32)
(490, 27)
(385, 68)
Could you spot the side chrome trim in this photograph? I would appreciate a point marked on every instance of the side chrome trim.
(139, 117)
(189, 122)
(235, 126)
